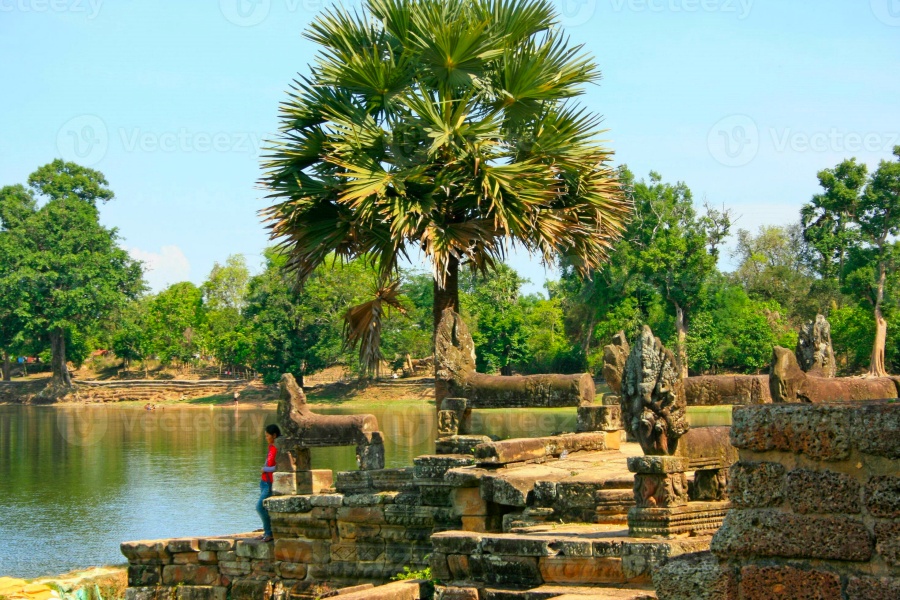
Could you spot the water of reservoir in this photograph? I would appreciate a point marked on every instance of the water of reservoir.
(76, 481)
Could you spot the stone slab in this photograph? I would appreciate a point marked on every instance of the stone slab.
(772, 533)
(658, 464)
(529, 449)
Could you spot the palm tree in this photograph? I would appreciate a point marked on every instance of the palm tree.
(443, 125)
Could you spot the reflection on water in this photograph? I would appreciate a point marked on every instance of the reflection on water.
(76, 481)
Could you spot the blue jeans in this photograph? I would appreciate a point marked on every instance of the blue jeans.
(265, 490)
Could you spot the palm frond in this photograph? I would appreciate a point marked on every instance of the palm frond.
(362, 325)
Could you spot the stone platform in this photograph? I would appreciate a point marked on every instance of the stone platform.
(517, 519)
(524, 564)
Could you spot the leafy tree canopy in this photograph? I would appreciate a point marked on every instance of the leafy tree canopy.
(69, 270)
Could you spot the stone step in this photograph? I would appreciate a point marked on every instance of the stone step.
(566, 592)
(576, 555)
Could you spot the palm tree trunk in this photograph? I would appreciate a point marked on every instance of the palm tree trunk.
(446, 297)
(58, 358)
(681, 329)
(876, 364)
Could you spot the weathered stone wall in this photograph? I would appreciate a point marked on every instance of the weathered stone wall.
(376, 524)
(118, 391)
(154, 391)
(711, 390)
(816, 508)
(473, 561)
(235, 567)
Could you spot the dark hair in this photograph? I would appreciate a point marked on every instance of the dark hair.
(273, 429)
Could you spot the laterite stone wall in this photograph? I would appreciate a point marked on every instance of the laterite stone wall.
(816, 508)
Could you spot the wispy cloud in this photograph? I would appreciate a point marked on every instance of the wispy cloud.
(163, 268)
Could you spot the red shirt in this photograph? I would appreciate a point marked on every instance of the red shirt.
(270, 462)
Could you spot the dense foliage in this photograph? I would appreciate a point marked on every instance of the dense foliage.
(64, 273)
(64, 277)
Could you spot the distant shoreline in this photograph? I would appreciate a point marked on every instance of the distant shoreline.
(254, 394)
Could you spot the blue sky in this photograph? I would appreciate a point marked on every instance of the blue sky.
(744, 100)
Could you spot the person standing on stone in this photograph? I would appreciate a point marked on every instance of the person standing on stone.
(265, 485)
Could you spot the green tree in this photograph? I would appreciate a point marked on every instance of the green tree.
(828, 221)
(70, 270)
(133, 338)
(773, 265)
(447, 125)
(226, 285)
(224, 294)
(175, 317)
(879, 223)
(675, 249)
(299, 331)
(733, 333)
(411, 333)
(852, 225)
(16, 205)
(498, 320)
(549, 350)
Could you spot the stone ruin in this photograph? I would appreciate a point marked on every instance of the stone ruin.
(789, 383)
(303, 429)
(465, 389)
(704, 390)
(415, 366)
(455, 370)
(653, 403)
(814, 352)
(654, 410)
(815, 509)
(807, 375)
(810, 505)
(614, 357)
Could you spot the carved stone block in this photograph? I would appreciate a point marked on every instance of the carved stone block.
(370, 456)
(660, 490)
(599, 418)
(693, 518)
(709, 485)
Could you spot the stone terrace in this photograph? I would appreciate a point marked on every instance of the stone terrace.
(518, 519)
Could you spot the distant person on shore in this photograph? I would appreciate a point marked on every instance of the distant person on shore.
(236, 396)
(265, 485)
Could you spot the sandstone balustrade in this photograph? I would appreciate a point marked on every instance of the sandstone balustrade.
(303, 429)
(789, 383)
(457, 377)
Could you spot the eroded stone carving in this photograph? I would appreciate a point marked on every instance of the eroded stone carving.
(815, 354)
(614, 357)
(455, 371)
(304, 429)
(654, 409)
(789, 383)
